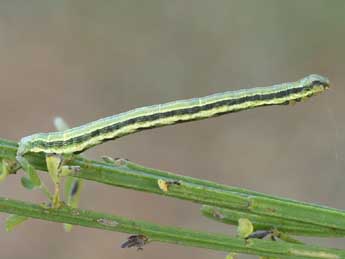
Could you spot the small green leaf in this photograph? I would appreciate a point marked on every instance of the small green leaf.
(34, 178)
(230, 256)
(3, 171)
(53, 165)
(245, 228)
(67, 227)
(30, 170)
(13, 220)
(27, 183)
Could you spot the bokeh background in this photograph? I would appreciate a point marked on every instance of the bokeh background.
(83, 60)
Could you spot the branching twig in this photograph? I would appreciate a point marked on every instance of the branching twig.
(228, 205)
(314, 218)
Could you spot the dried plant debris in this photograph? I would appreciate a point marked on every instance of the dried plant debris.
(118, 161)
(164, 185)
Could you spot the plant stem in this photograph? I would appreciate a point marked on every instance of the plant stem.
(168, 234)
(231, 216)
(310, 217)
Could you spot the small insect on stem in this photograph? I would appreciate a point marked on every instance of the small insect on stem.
(75, 188)
(260, 234)
(137, 241)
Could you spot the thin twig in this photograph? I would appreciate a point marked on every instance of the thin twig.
(171, 235)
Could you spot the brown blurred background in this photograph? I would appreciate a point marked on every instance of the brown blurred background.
(83, 60)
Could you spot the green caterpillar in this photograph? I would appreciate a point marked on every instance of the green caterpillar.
(78, 139)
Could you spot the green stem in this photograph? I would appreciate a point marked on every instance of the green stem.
(313, 218)
(46, 191)
(231, 216)
(166, 234)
